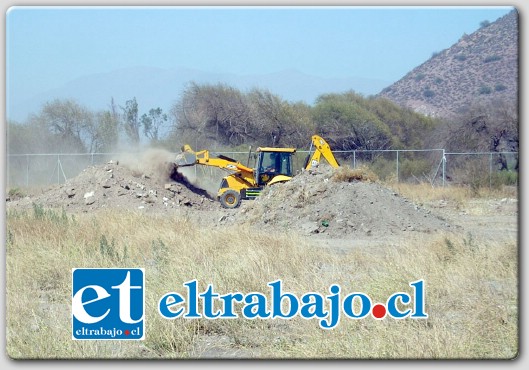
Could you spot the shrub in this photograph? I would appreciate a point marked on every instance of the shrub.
(500, 87)
(475, 173)
(414, 168)
(41, 213)
(492, 58)
(108, 249)
(485, 90)
(384, 169)
(428, 93)
(15, 193)
(500, 178)
(347, 174)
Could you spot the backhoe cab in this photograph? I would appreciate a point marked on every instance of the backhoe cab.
(274, 165)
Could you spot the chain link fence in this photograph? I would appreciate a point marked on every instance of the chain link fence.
(435, 166)
(477, 170)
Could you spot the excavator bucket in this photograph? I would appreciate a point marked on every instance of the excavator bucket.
(186, 158)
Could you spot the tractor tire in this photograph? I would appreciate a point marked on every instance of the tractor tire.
(230, 199)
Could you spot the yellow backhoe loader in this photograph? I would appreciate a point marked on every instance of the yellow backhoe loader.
(274, 165)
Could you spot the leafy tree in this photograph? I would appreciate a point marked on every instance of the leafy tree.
(278, 122)
(131, 121)
(65, 126)
(485, 127)
(213, 113)
(222, 114)
(300, 123)
(107, 132)
(408, 128)
(69, 121)
(348, 125)
(153, 122)
(28, 138)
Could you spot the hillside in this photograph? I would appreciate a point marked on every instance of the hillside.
(480, 66)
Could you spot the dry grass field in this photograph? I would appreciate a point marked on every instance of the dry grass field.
(471, 283)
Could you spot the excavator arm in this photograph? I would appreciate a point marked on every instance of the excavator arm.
(321, 148)
(234, 186)
(188, 157)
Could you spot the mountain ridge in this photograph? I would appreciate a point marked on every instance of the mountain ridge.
(480, 67)
(160, 87)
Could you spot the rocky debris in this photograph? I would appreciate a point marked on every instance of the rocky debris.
(313, 202)
(117, 186)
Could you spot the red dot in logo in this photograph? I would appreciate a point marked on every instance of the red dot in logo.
(379, 311)
(127, 332)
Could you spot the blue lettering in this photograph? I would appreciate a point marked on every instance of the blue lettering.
(192, 299)
(419, 303)
(334, 317)
(348, 304)
(169, 300)
(208, 296)
(228, 304)
(312, 307)
(277, 298)
(391, 305)
(258, 309)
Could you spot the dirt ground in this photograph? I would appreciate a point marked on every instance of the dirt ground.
(336, 213)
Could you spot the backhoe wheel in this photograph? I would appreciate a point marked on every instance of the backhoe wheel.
(230, 199)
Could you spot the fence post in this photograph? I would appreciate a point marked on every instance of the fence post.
(397, 166)
(27, 170)
(490, 170)
(444, 167)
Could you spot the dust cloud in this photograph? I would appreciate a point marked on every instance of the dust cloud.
(155, 162)
(159, 164)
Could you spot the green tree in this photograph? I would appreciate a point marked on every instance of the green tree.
(107, 131)
(408, 128)
(153, 122)
(348, 125)
(278, 122)
(70, 122)
(131, 122)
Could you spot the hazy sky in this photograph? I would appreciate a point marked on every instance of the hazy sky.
(49, 46)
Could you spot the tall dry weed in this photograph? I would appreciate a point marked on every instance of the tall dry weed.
(471, 289)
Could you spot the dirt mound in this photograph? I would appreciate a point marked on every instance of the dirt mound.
(315, 202)
(125, 185)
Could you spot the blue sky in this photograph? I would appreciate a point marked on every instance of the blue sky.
(49, 46)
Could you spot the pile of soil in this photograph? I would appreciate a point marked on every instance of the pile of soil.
(318, 201)
(155, 187)
(315, 202)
